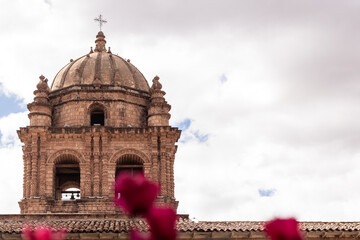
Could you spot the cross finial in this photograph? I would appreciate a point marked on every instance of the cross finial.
(100, 20)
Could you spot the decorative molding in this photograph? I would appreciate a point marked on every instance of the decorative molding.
(132, 151)
(62, 152)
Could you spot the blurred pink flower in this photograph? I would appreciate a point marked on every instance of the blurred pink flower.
(137, 194)
(42, 233)
(283, 229)
(162, 223)
(136, 235)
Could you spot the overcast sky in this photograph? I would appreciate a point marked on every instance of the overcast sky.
(267, 93)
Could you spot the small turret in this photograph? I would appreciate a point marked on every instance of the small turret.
(40, 108)
(100, 42)
(158, 109)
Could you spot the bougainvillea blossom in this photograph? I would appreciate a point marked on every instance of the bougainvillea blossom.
(134, 194)
(162, 223)
(42, 233)
(136, 235)
(283, 229)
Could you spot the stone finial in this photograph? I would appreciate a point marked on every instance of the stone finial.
(100, 42)
(109, 51)
(158, 108)
(42, 86)
(91, 50)
(40, 108)
(156, 84)
(47, 89)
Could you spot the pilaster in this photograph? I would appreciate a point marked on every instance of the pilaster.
(27, 174)
(42, 174)
(34, 175)
(85, 172)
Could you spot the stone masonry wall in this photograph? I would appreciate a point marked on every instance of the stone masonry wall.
(96, 149)
(121, 110)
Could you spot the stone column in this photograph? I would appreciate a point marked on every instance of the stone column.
(111, 169)
(101, 177)
(163, 182)
(49, 179)
(155, 159)
(106, 171)
(96, 166)
(27, 174)
(168, 176)
(34, 175)
(24, 175)
(147, 171)
(105, 178)
(86, 168)
(172, 180)
(42, 174)
(84, 176)
(96, 173)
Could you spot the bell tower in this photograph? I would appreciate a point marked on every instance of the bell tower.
(99, 118)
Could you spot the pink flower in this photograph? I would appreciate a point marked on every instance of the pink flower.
(42, 233)
(162, 223)
(283, 229)
(28, 234)
(59, 235)
(137, 194)
(136, 235)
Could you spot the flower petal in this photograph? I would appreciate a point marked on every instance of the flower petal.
(283, 229)
(137, 194)
(162, 223)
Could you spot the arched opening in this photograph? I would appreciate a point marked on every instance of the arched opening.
(129, 163)
(67, 179)
(97, 117)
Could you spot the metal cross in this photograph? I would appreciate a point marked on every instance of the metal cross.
(100, 20)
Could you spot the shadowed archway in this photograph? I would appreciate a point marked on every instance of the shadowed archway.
(129, 163)
(66, 175)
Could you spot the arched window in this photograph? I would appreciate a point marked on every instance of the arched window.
(67, 179)
(129, 163)
(97, 117)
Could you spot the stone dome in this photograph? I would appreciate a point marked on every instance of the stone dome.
(100, 67)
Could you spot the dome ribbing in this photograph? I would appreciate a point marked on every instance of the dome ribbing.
(100, 67)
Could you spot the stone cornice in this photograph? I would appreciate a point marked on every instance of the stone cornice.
(104, 88)
(101, 130)
(39, 113)
(96, 100)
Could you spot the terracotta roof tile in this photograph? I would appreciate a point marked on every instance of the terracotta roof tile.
(183, 225)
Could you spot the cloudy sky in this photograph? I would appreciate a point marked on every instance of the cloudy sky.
(267, 93)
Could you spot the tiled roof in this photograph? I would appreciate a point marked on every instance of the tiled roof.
(183, 225)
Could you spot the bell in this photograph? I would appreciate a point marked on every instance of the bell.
(72, 196)
(78, 195)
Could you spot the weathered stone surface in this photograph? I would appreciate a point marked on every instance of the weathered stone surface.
(99, 113)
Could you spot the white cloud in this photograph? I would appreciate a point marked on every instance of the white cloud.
(11, 162)
(8, 127)
(284, 119)
(10, 178)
